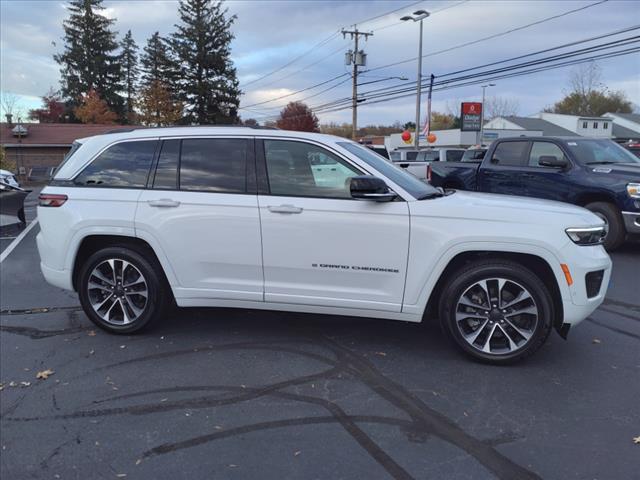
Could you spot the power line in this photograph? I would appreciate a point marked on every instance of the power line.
(490, 37)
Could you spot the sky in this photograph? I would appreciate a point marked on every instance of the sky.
(296, 44)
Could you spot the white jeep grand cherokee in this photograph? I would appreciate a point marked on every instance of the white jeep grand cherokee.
(269, 219)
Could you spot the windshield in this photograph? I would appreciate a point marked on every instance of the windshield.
(397, 175)
(600, 152)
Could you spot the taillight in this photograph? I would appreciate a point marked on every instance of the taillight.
(51, 200)
(429, 173)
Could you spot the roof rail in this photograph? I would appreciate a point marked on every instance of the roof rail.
(134, 129)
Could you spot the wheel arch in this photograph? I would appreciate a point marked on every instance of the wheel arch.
(590, 197)
(535, 263)
(94, 242)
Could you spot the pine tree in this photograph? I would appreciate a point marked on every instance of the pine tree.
(157, 64)
(90, 60)
(207, 84)
(129, 63)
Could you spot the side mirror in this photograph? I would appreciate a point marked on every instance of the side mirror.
(368, 187)
(404, 165)
(553, 162)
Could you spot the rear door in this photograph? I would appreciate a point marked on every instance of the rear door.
(320, 246)
(502, 173)
(201, 210)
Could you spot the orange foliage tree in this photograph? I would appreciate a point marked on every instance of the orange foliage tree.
(93, 109)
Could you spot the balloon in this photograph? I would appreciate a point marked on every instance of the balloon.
(431, 138)
(406, 136)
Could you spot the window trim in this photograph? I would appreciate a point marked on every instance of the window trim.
(559, 145)
(158, 141)
(261, 160)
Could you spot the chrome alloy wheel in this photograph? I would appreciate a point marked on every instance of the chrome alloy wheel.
(117, 291)
(496, 316)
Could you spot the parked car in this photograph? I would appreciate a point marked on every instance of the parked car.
(633, 148)
(9, 178)
(418, 164)
(473, 154)
(597, 174)
(221, 217)
(12, 203)
(379, 149)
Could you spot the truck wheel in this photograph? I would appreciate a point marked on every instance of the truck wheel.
(615, 227)
(121, 291)
(496, 311)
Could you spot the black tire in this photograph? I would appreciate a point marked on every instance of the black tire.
(158, 293)
(608, 212)
(465, 278)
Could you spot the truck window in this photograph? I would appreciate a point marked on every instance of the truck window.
(510, 153)
(544, 149)
(454, 155)
(411, 156)
(395, 156)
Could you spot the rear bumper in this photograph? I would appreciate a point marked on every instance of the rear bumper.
(57, 278)
(631, 221)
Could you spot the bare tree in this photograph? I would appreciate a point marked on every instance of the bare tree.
(9, 104)
(585, 79)
(500, 107)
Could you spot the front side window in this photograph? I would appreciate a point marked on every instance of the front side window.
(124, 165)
(544, 149)
(305, 170)
(510, 153)
(214, 165)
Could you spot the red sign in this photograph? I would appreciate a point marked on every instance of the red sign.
(471, 108)
(471, 116)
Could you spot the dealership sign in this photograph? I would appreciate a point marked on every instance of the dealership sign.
(471, 116)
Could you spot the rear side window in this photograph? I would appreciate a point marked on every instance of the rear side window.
(167, 170)
(454, 155)
(124, 165)
(412, 155)
(510, 153)
(214, 165)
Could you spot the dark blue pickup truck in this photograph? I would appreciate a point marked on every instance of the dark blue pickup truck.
(597, 174)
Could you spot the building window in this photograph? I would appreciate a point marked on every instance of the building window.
(595, 125)
(585, 124)
(605, 125)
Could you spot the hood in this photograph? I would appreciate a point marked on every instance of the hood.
(626, 171)
(506, 209)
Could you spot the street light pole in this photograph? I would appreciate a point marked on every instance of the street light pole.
(484, 88)
(418, 16)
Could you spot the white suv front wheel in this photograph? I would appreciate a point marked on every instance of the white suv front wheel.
(120, 290)
(497, 311)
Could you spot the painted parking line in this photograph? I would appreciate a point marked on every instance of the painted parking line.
(16, 241)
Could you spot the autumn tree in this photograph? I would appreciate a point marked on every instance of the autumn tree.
(157, 106)
(442, 121)
(202, 46)
(299, 117)
(130, 72)
(53, 109)
(93, 109)
(90, 60)
(589, 96)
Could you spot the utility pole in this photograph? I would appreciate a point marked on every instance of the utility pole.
(359, 59)
(484, 87)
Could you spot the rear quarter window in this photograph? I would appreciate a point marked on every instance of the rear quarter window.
(123, 165)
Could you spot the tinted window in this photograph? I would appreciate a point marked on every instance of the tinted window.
(454, 155)
(510, 153)
(125, 164)
(412, 155)
(544, 149)
(214, 164)
(305, 170)
(167, 170)
(428, 156)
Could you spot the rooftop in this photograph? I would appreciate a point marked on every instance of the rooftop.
(547, 128)
(52, 134)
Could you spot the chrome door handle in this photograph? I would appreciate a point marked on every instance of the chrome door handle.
(163, 202)
(285, 209)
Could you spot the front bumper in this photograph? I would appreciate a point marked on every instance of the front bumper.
(631, 221)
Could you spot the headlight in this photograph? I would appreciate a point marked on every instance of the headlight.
(587, 236)
(633, 189)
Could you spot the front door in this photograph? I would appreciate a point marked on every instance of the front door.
(502, 172)
(320, 246)
(203, 212)
(547, 182)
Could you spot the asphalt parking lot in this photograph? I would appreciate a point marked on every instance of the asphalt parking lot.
(220, 393)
